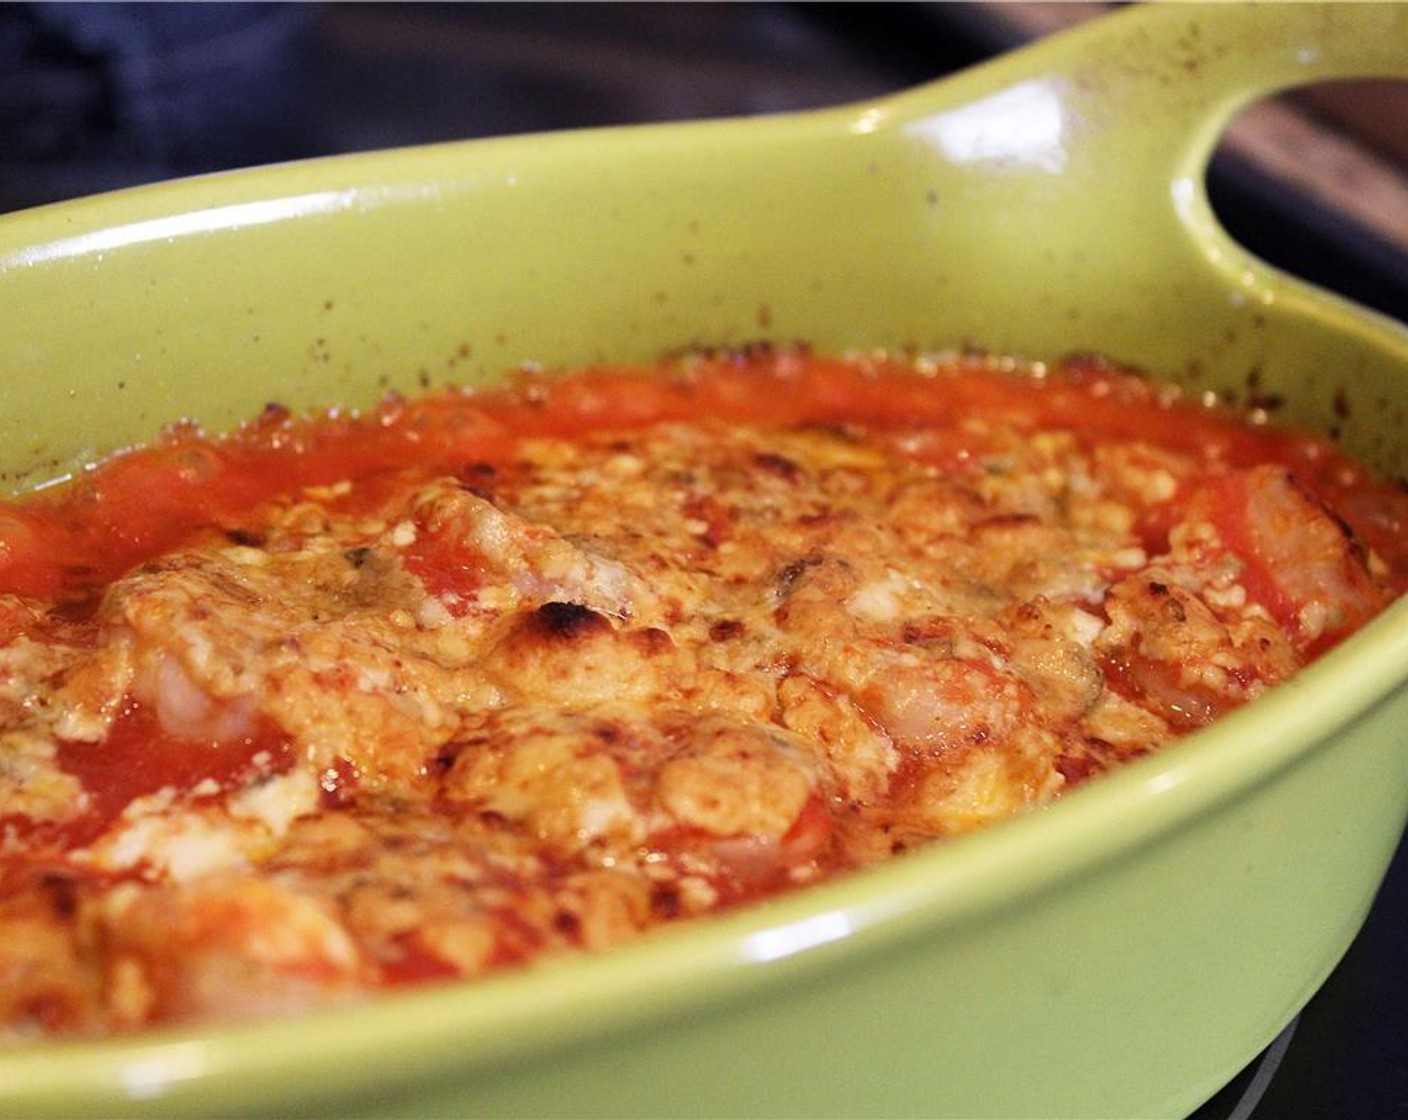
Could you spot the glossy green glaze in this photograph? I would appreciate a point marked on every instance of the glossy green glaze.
(1120, 954)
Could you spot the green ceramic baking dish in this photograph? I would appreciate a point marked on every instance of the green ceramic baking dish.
(1121, 954)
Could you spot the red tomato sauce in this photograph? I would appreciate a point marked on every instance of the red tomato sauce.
(138, 757)
(140, 503)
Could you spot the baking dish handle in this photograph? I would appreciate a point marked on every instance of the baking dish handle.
(1186, 70)
(1139, 98)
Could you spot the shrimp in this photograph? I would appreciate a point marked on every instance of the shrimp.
(1299, 561)
(229, 947)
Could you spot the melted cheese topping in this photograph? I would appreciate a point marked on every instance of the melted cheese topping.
(443, 718)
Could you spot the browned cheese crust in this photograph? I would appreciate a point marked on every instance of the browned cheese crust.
(551, 703)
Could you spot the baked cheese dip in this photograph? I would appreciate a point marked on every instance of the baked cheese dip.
(339, 704)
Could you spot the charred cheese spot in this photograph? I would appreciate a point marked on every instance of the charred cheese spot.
(568, 621)
(571, 652)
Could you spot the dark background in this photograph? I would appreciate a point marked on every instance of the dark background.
(101, 96)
